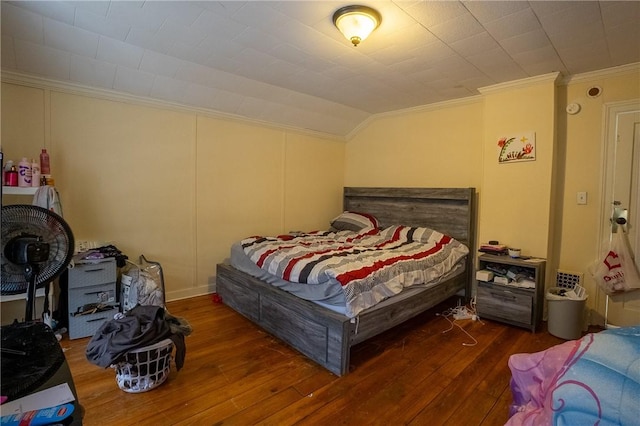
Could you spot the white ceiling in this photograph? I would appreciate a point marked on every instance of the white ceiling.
(284, 62)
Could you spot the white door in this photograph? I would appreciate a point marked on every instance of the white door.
(621, 198)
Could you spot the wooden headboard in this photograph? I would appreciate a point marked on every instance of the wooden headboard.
(448, 210)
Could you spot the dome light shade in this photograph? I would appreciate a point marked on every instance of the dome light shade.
(356, 22)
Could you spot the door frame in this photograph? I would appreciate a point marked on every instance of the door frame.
(609, 138)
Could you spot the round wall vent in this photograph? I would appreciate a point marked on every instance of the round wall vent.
(594, 91)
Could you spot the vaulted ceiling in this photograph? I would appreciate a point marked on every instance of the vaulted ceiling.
(284, 62)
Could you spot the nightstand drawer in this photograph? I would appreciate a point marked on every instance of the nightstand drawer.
(88, 274)
(499, 302)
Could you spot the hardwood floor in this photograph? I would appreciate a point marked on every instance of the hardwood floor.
(237, 374)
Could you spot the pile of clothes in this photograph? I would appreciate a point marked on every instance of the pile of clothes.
(141, 326)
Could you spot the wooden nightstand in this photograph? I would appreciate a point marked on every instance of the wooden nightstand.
(513, 302)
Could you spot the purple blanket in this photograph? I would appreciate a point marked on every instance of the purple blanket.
(591, 381)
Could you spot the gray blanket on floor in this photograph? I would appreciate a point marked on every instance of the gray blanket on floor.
(139, 327)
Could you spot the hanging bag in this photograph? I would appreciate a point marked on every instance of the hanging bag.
(616, 272)
(142, 284)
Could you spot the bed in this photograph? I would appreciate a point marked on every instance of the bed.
(326, 336)
(594, 380)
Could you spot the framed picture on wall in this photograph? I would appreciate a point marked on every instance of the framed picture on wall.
(514, 148)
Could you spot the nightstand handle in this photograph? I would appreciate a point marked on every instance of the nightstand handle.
(504, 295)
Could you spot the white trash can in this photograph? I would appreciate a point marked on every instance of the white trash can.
(565, 312)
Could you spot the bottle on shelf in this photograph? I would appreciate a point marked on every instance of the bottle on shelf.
(45, 167)
(11, 177)
(24, 173)
(5, 171)
(35, 173)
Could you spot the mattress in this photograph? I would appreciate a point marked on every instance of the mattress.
(329, 293)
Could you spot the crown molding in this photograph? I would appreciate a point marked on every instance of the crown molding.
(633, 68)
(112, 95)
(521, 83)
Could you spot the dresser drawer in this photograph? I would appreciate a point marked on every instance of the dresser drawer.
(87, 325)
(105, 293)
(503, 303)
(88, 274)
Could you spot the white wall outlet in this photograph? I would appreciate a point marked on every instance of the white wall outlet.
(582, 197)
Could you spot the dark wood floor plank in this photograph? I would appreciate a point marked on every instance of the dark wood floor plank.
(403, 399)
(499, 413)
(235, 373)
(255, 403)
(350, 404)
(484, 334)
(473, 409)
(319, 379)
(487, 352)
(416, 381)
(258, 412)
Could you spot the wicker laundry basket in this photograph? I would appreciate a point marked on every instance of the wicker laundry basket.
(144, 368)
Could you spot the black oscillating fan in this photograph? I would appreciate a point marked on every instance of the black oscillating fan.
(37, 246)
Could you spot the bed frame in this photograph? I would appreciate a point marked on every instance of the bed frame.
(326, 336)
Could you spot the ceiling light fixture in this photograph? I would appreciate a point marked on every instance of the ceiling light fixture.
(356, 22)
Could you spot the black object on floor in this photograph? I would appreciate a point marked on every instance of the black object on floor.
(31, 355)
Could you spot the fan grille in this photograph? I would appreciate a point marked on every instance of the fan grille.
(18, 219)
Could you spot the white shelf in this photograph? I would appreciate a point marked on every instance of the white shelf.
(16, 190)
(23, 296)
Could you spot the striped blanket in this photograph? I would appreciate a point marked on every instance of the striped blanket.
(370, 265)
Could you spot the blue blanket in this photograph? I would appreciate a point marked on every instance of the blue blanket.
(591, 381)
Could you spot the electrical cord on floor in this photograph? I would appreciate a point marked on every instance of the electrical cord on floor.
(461, 313)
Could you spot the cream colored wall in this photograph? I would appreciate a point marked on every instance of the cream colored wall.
(314, 177)
(254, 180)
(126, 175)
(434, 147)
(518, 201)
(239, 189)
(580, 139)
(23, 126)
(174, 184)
(516, 197)
(23, 122)
(23, 131)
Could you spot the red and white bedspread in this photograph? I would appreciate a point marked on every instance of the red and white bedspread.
(370, 265)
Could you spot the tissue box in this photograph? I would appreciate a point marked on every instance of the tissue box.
(484, 275)
(501, 280)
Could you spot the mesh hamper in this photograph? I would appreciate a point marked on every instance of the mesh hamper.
(144, 368)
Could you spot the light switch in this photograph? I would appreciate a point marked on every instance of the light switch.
(582, 197)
